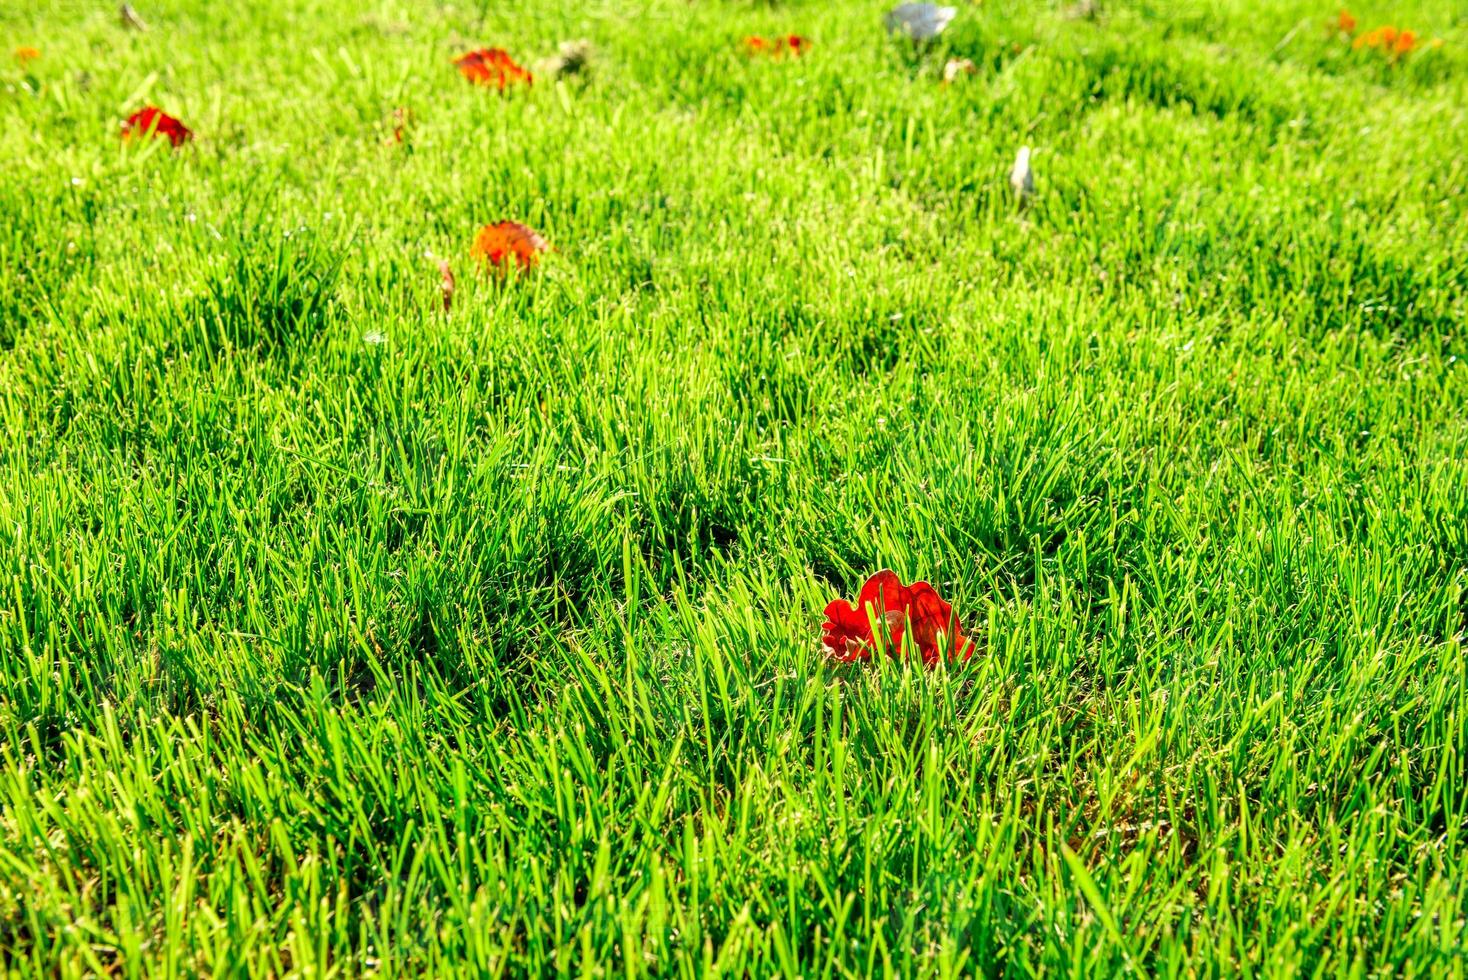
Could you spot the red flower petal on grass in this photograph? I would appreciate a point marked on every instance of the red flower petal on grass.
(897, 611)
(496, 244)
(775, 47)
(848, 634)
(492, 66)
(152, 120)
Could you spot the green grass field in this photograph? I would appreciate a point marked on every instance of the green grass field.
(342, 636)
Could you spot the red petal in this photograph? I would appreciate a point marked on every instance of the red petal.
(883, 590)
(492, 66)
(497, 243)
(935, 627)
(848, 628)
(151, 119)
(847, 632)
(895, 608)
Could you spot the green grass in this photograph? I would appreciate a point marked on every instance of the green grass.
(493, 647)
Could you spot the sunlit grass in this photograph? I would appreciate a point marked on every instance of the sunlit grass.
(344, 635)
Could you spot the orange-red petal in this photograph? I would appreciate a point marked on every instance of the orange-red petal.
(497, 244)
(492, 66)
(777, 46)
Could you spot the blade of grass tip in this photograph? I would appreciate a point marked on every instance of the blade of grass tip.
(1089, 889)
(140, 93)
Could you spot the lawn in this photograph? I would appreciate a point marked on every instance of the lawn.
(341, 634)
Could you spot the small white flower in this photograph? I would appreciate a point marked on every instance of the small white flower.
(956, 68)
(572, 58)
(1022, 178)
(919, 21)
(374, 337)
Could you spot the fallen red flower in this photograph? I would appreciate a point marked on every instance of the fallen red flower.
(897, 611)
(152, 120)
(497, 243)
(775, 47)
(797, 44)
(492, 66)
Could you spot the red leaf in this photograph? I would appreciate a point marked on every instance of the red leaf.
(496, 244)
(492, 66)
(915, 612)
(152, 120)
